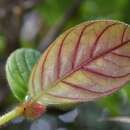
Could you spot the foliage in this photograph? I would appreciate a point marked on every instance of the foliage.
(84, 67)
(18, 69)
(79, 66)
(51, 12)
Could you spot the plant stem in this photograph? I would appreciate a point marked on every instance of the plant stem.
(18, 111)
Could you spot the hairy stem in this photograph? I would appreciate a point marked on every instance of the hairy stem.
(18, 111)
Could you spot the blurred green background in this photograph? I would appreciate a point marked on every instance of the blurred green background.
(35, 24)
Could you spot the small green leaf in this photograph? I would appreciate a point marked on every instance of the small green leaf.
(18, 69)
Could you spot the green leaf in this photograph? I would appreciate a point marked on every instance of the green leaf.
(18, 68)
(111, 103)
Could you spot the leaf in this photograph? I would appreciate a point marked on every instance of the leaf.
(18, 68)
(86, 62)
(114, 103)
(111, 104)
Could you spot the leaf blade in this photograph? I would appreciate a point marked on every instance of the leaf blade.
(81, 59)
(18, 69)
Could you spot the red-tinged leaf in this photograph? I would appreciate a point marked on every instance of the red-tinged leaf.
(86, 62)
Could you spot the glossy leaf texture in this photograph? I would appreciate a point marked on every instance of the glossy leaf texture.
(18, 68)
(88, 61)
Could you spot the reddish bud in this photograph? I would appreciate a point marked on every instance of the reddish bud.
(34, 110)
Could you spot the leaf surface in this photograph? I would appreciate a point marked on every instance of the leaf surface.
(18, 68)
(88, 61)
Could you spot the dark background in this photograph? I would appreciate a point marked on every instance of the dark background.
(35, 24)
